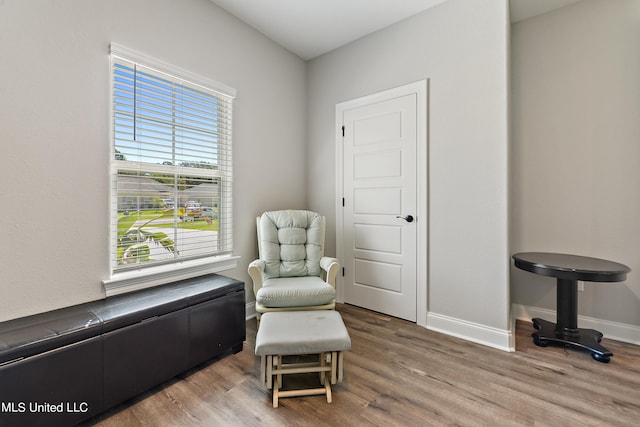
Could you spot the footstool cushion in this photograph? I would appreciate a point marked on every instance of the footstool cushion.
(301, 332)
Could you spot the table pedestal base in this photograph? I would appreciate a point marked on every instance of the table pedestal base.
(585, 339)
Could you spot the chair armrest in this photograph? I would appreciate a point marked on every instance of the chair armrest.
(256, 271)
(331, 266)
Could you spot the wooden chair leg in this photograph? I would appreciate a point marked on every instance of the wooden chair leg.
(278, 363)
(327, 386)
(269, 373)
(321, 363)
(334, 367)
(276, 392)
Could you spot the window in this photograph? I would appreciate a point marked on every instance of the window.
(171, 168)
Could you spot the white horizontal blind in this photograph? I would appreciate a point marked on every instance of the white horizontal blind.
(171, 168)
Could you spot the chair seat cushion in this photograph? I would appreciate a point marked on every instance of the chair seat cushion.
(295, 292)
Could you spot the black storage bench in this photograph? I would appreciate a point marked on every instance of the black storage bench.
(62, 367)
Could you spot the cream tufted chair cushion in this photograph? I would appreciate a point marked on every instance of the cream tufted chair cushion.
(291, 246)
(291, 243)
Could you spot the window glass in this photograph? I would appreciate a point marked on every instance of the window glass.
(171, 168)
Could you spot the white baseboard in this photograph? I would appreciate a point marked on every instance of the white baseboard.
(250, 310)
(613, 330)
(474, 332)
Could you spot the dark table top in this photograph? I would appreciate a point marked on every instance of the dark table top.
(571, 267)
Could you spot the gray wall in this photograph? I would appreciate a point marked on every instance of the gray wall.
(574, 153)
(54, 132)
(461, 46)
(575, 160)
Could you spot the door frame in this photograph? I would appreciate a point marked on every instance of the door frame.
(420, 88)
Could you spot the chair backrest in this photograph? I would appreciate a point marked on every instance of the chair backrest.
(291, 242)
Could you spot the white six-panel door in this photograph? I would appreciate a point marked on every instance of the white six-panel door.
(379, 241)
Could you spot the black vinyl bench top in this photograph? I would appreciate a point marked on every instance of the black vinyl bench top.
(31, 335)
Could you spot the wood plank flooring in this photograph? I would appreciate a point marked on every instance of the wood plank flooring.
(400, 374)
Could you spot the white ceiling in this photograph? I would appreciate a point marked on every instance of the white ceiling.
(310, 28)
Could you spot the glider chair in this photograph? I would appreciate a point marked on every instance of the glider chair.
(292, 273)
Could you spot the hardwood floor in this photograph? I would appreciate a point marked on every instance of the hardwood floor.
(398, 373)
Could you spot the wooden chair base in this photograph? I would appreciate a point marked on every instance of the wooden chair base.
(328, 365)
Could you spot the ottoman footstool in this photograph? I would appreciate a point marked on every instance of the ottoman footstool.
(318, 333)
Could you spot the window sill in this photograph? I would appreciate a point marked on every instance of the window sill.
(130, 281)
